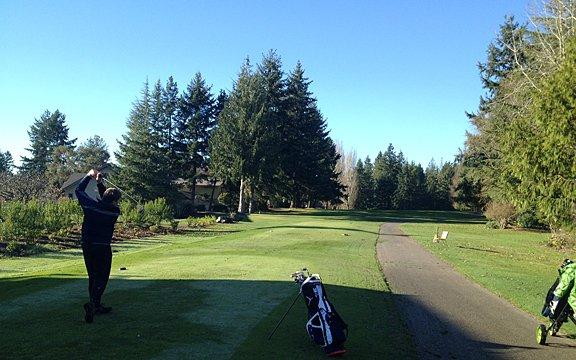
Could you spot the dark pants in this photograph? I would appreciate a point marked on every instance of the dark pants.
(98, 260)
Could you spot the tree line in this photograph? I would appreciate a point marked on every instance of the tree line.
(393, 183)
(266, 140)
(519, 161)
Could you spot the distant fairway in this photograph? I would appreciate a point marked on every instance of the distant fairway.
(210, 294)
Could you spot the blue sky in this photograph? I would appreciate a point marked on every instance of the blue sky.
(400, 72)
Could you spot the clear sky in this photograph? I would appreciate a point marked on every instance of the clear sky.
(398, 71)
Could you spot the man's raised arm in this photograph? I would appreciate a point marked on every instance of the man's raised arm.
(83, 198)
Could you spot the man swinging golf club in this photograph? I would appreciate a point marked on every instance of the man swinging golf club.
(97, 228)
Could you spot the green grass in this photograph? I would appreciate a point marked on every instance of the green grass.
(516, 265)
(208, 294)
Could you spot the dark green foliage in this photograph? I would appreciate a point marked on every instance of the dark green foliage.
(540, 147)
(309, 155)
(144, 162)
(241, 145)
(92, 154)
(6, 162)
(438, 182)
(502, 59)
(364, 171)
(46, 134)
(387, 167)
(411, 191)
(193, 128)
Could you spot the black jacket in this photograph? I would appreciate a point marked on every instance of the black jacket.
(99, 217)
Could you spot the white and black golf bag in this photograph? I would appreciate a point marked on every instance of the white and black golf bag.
(325, 326)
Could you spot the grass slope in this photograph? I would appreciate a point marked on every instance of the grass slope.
(516, 265)
(206, 295)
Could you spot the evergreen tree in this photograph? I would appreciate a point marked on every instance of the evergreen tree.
(309, 155)
(503, 55)
(47, 133)
(92, 154)
(170, 102)
(6, 162)
(411, 191)
(386, 169)
(143, 166)
(365, 178)
(193, 128)
(539, 149)
(61, 165)
(241, 143)
(438, 182)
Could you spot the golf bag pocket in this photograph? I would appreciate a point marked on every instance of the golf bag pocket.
(315, 330)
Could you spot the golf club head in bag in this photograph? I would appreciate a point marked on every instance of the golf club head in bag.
(325, 326)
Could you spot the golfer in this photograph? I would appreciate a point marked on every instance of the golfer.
(566, 285)
(99, 219)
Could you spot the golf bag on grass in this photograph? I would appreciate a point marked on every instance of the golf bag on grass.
(325, 326)
(563, 313)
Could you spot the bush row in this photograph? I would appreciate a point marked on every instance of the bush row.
(24, 223)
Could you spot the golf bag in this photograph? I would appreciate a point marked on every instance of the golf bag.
(563, 310)
(325, 326)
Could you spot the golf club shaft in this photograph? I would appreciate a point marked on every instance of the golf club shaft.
(123, 192)
(284, 316)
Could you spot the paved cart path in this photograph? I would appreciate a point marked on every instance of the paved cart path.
(451, 317)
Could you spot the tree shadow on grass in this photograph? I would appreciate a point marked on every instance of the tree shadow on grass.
(203, 319)
(398, 216)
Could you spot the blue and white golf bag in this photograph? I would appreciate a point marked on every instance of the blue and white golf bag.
(325, 326)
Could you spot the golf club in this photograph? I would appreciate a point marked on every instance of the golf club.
(284, 316)
(122, 191)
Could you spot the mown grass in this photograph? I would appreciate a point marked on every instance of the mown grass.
(206, 294)
(517, 265)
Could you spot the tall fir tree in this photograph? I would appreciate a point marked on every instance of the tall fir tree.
(143, 167)
(239, 147)
(6, 162)
(386, 169)
(365, 171)
(170, 102)
(309, 156)
(92, 154)
(411, 191)
(47, 133)
(193, 128)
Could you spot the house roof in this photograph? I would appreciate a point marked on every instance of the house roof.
(76, 177)
(72, 180)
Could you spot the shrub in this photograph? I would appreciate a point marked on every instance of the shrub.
(16, 248)
(22, 220)
(491, 224)
(174, 225)
(157, 211)
(562, 240)
(132, 215)
(529, 220)
(201, 222)
(60, 217)
(500, 212)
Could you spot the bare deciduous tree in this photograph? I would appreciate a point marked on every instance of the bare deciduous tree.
(346, 168)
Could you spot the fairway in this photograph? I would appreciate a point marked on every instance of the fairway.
(206, 294)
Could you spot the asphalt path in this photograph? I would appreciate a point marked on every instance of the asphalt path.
(451, 317)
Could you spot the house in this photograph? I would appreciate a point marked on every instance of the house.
(205, 189)
(69, 187)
